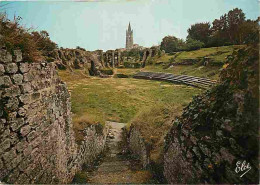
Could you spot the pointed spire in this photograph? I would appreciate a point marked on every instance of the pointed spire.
(129, 26)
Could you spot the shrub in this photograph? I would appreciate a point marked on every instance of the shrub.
(122, 76)
(192, 44)
(107, 71)
(34, 45)
(132, 64)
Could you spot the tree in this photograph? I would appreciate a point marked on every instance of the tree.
(200, 32)
(226, 30)
(235, 19)
(249, 32)
(170, 44)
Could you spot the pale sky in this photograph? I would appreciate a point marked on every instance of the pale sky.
(102, 24)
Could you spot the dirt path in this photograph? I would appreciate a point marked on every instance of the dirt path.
(116, 166)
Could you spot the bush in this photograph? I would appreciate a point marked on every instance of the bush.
(132, 64)
(107, 71)
(34, 45)
(192, 44)
(122, 76)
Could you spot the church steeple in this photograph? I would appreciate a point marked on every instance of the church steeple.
(129, 27)
(129, 37)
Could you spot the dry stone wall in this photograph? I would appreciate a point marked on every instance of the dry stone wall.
(37, 142)
(36, 138)
(138, 146)
(92, 145)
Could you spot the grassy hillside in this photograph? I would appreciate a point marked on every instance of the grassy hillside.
(217, 55)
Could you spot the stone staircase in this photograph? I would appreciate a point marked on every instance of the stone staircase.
(199, 82)
(117, 167)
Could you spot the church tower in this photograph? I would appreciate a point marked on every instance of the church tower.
(129, 38)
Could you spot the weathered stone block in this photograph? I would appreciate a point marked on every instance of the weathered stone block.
(25, 130)
(17, 124)
(21, 111)
(25, 88)
(1, 164)
(12, 91)
(35, 96)
(2, 127)
(15, 162)
(5, 134)
(23, 179)
(9, 156)
(24, 67)
(11, 116)
(27, 77)
(5, 80)
(31, 136)
(13, 176)
(2, 69)
(5, 145)
(25, 98)
(5, 56)
(21, 145)
(11, 68)
(18, 56)
(12, 104)
(17, 78)
(27, 151)
(25, 163)
(14, 138)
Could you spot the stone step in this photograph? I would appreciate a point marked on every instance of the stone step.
(184, 79)
(158, 75)
(206, 79)
(163, 75)
(198, 82)
(199, 79)
(115, 168)
(115, 163)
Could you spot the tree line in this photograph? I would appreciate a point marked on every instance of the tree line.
(230, 29)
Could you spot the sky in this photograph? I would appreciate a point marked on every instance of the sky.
(102, 24)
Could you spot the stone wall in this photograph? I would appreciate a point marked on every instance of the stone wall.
(78, 59)
(36, 137)
(112, 58)
(138, 146)
(92, 145)
(37, 142)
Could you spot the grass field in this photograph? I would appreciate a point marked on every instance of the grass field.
(150, 105)
(120, 99)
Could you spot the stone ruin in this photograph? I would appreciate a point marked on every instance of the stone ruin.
(37, 142)
(77, 59)
(96, 60)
